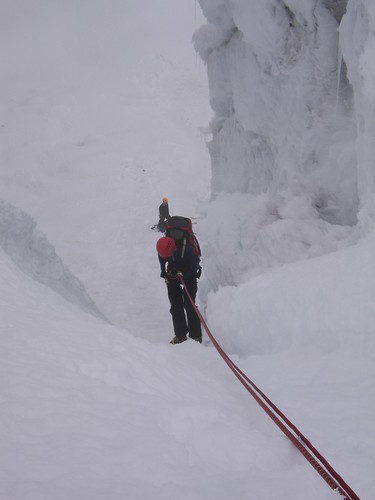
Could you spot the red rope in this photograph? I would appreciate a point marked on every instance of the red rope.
(271, 409)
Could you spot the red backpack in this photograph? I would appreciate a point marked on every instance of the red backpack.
(179, 228)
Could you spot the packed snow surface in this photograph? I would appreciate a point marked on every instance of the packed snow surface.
(257, 120)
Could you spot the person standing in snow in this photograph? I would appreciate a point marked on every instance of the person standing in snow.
(163, 215)
(178, 260)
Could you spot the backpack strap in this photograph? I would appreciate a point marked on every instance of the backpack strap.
(183, 248)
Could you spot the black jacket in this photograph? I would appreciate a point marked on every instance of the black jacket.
(164, 212)
(182, 260)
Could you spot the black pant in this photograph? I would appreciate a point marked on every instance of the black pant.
(162, 224)
(180, 304)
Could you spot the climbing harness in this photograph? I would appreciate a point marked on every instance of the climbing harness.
(320, 464)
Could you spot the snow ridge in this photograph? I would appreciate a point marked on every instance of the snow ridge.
(35, 256)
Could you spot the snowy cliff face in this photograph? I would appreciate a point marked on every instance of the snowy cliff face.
(357, 42)
(288, 96)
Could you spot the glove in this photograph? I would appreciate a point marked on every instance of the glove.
(174, 274)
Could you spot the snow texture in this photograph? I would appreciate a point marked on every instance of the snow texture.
(257, 119)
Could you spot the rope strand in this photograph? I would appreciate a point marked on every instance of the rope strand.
(271, 410)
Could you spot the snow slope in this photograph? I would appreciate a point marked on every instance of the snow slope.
(104, 110)
(92, 411)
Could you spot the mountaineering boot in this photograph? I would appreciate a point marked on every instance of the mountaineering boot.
(178, 340)
(198, 339)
